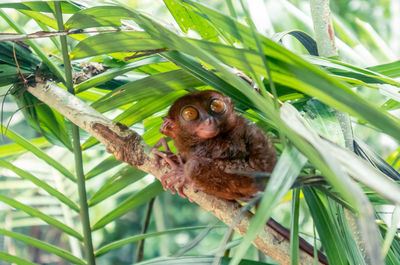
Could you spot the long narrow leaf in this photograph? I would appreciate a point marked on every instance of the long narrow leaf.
(33, 44)
(343, 227)
(341, 68)
(389, 69)
(362, 150)
(285, 173)
(115, 42)
(307, 76)
(99, 16)
(40, 18)
(308, 42)
(133, 201)
(208, 77)
(110, 74)
(39, 153)
(40, 6)
(119, 181)
(195, 260)
(189, 20)
(43, 245)
(294, 230)
(107, 164)
(14, 259)
(33, 212)
(340, 179)
(391, 233)
(52, 191)
(135, 238)
(151, 86)
(16, 149)
(326, 230)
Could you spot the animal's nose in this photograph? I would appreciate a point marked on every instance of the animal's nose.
(208, 121)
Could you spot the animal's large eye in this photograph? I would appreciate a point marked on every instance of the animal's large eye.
(190, 113)
(217, 106)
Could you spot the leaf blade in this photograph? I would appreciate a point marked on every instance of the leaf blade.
(50, 190)
(135, 200)
(33, 212)
(43, 245)
(39, 153)
(284, 174)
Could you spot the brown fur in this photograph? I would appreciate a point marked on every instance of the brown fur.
(209, 162)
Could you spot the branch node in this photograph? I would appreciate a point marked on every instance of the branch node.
(123, 143)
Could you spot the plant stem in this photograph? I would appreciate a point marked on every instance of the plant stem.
(325, 38)
(323, 29)
(84, 210)
(146, 222)
(231, 8)
(294, 230)
(362, 225)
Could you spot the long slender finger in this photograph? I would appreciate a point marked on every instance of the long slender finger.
(165, 144)
(159, 155)
(167, 158)
(163, 181)
(159, 143)
(180, 160)
(157, 159)
(180, 192)
(178, 185)
(176, 182)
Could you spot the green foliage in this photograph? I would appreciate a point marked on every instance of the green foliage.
(149, 65)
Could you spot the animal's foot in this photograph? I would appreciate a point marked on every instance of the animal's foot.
(175, 180)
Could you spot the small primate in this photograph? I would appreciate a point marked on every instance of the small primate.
(215, 146)
(213, 143)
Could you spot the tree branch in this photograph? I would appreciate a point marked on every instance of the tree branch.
(48, 34)
(129, 147)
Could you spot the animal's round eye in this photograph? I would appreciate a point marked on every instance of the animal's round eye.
(217, 106)
(190, 113)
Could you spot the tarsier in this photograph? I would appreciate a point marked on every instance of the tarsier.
(215, 146)
(213, 143)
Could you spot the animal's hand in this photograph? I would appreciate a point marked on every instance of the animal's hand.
(175, 179)
(163, 156)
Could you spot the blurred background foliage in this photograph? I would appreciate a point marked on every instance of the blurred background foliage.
(370, 36)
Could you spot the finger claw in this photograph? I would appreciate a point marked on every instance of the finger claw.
(182, 194)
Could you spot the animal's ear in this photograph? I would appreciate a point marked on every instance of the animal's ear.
(168, 127)
(228, 101)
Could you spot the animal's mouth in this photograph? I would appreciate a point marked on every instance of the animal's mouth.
(207, 134)
(208, 129)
